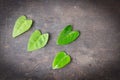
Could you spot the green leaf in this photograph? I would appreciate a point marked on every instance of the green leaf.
(67, 36)
(21, 25)
(37, 40)
(61, 60)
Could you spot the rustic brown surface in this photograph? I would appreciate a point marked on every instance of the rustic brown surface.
(95, 54)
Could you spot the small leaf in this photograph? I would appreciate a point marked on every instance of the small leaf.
(21, 25)
(37, 40)
(67, 36)
(61, 60)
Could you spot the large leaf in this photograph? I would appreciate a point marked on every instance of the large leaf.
(37, 40)
(21, 25)
(67, 36)
(61, 60)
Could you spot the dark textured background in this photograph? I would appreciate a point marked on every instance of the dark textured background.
(95, 54)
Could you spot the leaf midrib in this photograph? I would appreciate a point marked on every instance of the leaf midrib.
(23, 22)
(64, 36)
(61, 60)
(37, 39)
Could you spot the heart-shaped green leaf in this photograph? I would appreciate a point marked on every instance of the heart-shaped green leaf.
(61, 60)
(37, 40)
(67, 36)
(21, 25)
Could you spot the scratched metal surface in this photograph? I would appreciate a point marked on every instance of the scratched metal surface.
(95, 54)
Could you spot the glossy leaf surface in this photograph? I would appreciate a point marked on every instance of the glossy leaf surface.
(37, 40)
(21, 25)
(67, 35)
(61, 60)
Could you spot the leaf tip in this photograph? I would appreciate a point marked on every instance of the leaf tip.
(57, 43)
(14, 36)
(29, 49)
(55, 67)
